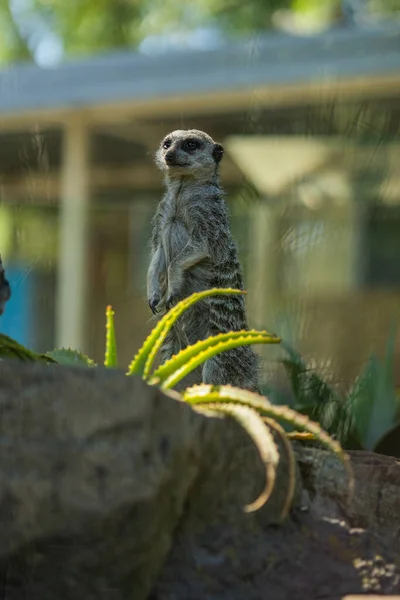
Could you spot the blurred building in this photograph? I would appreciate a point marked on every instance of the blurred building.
(311, 130)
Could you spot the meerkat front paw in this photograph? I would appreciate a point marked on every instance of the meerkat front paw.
(154, 302)
(171, 301)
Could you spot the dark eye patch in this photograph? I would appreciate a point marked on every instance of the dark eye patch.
(166, 144)
(191, 144)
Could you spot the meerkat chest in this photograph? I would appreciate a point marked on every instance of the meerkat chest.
(175, 229)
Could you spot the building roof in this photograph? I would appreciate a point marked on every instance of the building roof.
(266, 61)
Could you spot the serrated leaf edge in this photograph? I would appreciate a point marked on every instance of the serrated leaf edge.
(177, 367)
(259, 432)
(145, 356)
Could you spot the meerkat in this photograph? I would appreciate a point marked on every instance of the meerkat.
(192, 249)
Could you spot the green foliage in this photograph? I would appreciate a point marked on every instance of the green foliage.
(218, 398)
(313, 396)
(251, 421)
(253, 412)
(145, 357)
(373, 404)
(93, 26)
(10, 348)
(87, 26)
(285, 439)
(180, 365)
(110, 358)
(13, 45)
(306, 384)
(360, 419)
(170, 373)
(67, 357)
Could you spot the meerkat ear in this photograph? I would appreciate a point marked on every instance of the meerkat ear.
(218, 153)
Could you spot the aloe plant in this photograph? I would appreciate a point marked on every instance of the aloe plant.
(232, 401)
(10, 348)
(110, 358)
(144, 358)
(175, 369)
(70, 358)
(255, 413)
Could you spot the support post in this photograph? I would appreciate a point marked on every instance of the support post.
(74, 207)
(262, 285)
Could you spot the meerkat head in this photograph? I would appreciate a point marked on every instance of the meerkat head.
(189, 153)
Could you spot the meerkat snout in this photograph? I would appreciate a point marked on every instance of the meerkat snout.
(171, 159)
(188, 152)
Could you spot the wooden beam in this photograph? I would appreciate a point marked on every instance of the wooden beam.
(72, 273)
(148, 134)
(46, 187)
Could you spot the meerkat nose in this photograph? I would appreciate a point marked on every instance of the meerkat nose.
(170, 158)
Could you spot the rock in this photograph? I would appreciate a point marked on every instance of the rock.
(321, 552)
(111, 490)
(375, 505)
(94, 471)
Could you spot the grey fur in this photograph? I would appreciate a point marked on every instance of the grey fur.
(193, 250)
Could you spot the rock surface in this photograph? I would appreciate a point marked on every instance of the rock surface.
(111, 490)
(321, 552)
(94, 470)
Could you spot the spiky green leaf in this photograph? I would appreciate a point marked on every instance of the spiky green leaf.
(110, 358)
(68, 357)
(262, 438)
(272, 424)
(144, 358)
(203, 394)
(175, 369)
(10, 348)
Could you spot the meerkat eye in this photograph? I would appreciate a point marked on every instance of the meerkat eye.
(191, 145)
(166, 144)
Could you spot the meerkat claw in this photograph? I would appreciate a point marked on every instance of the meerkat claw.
(170, 302)
(153, 303)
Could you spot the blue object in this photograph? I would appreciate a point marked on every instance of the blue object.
(17, 318)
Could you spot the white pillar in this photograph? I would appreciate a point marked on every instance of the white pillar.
(262, 288)
(72, 266)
